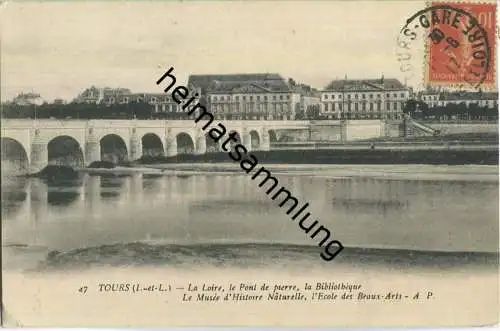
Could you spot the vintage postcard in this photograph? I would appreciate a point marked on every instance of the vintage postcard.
(249, 163)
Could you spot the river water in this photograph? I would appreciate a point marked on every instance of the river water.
(409, 231)
(203, 216)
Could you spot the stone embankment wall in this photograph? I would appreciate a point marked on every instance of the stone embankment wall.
(335, 131)
(338, 131)
(453, 128)
(318, 131)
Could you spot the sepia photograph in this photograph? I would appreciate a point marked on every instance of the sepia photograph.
(249, 163)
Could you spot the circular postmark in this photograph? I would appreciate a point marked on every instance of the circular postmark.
(455, 39)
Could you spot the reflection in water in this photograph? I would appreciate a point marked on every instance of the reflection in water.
(110, 185)
(63, 192)
(361, 212)
(14, 194)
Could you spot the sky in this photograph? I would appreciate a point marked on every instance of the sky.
(58, 49)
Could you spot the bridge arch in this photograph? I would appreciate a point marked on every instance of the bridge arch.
(65, 150)
(254, 140)
(185, 143)
(230, 145)
(152, 145)
(14, 156)
(212, 145)
(273, 138)
(113, 148)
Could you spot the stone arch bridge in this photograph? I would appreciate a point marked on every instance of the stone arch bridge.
(36, 142)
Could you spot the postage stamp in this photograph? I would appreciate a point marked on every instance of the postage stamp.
(460, 45)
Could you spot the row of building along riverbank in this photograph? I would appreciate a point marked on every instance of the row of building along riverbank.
(268, 96)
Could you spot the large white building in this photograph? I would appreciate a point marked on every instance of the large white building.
(247, 96)
(364, 99)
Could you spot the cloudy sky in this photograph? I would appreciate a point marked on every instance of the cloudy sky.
(59, 48)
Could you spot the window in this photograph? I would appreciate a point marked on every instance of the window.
(355, 96)
(356, 106)
(363, 96)
(395, 106)
(325, 96)
(388, 95)
(244, 98)
(326, 106)
(402, 95)
(251, 98)
(395, 95)
(348, 96)
(371, 96)
(281, 97)
(388, 105)
(258, 97)
(214, 98)
(265, 97)
(274, 97)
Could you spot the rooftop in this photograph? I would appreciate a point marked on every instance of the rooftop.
(380, 84)
(244, 83)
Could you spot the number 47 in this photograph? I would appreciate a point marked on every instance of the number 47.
(83, 289)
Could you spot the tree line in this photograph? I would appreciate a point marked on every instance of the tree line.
(140, 110)
(462, 111)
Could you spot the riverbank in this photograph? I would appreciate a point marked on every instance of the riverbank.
(343, 156)
(421, 172)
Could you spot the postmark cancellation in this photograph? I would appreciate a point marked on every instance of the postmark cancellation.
(460, 43)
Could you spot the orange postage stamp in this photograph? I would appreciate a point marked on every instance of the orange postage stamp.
(459, 41)
(462, 44)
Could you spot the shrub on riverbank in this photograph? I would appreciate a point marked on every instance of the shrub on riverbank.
(57, 172)
(102, 165)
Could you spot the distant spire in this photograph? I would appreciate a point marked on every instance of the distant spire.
(345, 78)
